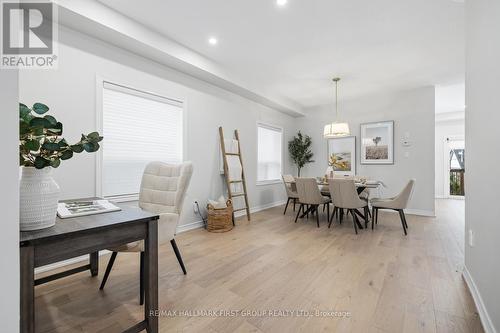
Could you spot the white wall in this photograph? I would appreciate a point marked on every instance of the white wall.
(9, 202)
(445, 129)
(482, 118)
(412, 112)
(70, 92)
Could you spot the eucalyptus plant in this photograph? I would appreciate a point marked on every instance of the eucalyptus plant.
(300, 150)
(40, 141)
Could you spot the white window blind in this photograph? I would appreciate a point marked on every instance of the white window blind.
(138, 128)
(269, 157)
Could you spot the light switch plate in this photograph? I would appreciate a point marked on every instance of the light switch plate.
(471, 238)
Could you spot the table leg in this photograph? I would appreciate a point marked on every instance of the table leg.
(94, 263)
(27, 287)
(151, 277)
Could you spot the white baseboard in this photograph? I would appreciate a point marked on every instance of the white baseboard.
(189, 226)
(418, 212)
(261, 207)
(67, 262)
(481, 308)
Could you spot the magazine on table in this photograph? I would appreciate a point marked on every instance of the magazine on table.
(84, 207)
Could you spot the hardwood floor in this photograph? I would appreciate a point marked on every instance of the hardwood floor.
(386, 281)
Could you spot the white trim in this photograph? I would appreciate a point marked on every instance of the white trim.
(268, 182)
(63, 263)
(261, 207)
(189, 226)
(481, 308)
(418, 212)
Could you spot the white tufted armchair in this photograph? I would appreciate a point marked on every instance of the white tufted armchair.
(163, 189)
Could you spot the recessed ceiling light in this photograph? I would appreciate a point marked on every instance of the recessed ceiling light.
(281, 2)
(212, 41)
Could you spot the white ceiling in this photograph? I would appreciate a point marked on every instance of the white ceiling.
(293, 52)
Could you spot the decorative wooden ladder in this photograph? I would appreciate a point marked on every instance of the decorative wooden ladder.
(226, 173)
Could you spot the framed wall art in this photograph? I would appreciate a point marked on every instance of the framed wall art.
(342, 155)
(377, 143)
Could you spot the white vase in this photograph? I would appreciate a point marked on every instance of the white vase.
(38, 194)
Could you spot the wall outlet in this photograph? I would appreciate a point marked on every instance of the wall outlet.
(195, 206)
(471, 238)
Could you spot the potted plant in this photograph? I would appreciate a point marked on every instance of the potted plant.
(41, 148)
(300, 151)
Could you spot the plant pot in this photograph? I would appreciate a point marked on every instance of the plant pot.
(38, 194)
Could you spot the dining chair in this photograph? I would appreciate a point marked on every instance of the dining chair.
(310, 195)
(291, 192)
(397, 203)
(345, 196)
(163, 189)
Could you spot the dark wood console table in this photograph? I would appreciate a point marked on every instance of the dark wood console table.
(78, 236)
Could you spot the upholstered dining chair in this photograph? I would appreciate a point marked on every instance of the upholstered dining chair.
(397, 203)
(345, 196)
(310, 196)
(163, 189)
(291, 192)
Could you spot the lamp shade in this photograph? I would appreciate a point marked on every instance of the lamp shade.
(335, 129)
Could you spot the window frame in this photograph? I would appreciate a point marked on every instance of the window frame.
(128, 84)
(275, 128)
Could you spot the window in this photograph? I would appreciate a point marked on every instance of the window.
(138, 128)
(269, 153)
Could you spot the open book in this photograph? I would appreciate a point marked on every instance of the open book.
(84, 207)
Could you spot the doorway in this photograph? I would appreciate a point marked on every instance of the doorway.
(455, 167)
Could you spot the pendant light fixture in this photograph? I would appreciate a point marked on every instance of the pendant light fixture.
(336, 129)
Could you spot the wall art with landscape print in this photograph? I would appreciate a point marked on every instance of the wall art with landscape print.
(377, 143)
(342, 155)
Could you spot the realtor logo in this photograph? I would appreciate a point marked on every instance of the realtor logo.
(28, 34)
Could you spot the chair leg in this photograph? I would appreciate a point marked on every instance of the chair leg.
(373, 216)
(178, 255)
(331, 217)
(404, 218)
(327, 211)
(376, 217)
(366, 216)
(286, 206)
(108, 269)
(141, 280)
(298, 213)
(401, 216)
(317, 215)
(294, 202)
(353, 220)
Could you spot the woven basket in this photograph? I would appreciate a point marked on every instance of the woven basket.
(220, 220)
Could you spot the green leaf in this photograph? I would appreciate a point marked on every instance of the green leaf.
(39, 122)
(40, 108)
(32, 145)
(91, 147)
(23, 110)
(55, 130)
(66, 155)
(52, 146)
(93, 135)
(78, 148)
(24, 128)
(52, 121)
(55, 162)
(41, 162)
(62, 143)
